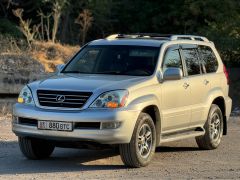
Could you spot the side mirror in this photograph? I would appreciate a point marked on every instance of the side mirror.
(172, 74)
(59, 68)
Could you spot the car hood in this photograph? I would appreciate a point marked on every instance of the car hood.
(82, 82)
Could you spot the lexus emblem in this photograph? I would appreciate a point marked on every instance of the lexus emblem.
(60, 98)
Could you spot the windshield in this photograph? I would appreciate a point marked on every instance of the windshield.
(120, 60)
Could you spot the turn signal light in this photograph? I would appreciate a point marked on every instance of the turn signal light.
(112, 104)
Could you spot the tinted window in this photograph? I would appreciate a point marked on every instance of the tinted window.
(208, 58)
(192, 61)
(86, 62)
(120, 60)
(172, 59)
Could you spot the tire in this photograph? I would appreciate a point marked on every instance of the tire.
(35, 148)
(214, 129)
(140, 150)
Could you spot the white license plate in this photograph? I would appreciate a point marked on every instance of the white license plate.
(54, 125)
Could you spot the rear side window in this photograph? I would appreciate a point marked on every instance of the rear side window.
(208, 58)
(172, 59)
(192, 61)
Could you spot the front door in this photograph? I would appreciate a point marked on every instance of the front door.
(175, 101)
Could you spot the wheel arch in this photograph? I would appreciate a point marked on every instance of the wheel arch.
(154, 112)
(221, 104)
(216, 96)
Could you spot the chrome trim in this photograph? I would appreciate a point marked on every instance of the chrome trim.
(62, 99)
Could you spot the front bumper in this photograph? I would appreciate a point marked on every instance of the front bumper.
(120, 135)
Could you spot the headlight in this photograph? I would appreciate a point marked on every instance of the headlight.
(25, 96)
(111, 99)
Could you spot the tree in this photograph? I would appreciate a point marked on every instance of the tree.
(28, 32)
(103, 16)
(219, 20)
(44, 27)
(85, 21)
(57, 8)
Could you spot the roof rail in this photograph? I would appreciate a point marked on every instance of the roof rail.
(189, 37)
(112, 36)
(171, 37)
(138, 35)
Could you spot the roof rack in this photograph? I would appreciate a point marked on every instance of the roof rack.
(189, 37)
(138, 36)
(171, 37)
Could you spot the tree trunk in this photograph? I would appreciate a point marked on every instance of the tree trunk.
(56, 17)
(65, 26)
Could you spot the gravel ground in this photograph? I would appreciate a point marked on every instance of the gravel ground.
(177, 160)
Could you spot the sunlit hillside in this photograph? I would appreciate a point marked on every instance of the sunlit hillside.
(16, 57)
(51, 54)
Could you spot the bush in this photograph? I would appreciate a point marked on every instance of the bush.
(10, 29)
(229, 49)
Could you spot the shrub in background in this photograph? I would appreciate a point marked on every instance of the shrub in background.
(8, 28)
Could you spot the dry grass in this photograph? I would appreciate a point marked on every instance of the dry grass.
(6, 111)
(47, 53)
(51, 54)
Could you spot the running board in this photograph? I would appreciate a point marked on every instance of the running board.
(181, 135)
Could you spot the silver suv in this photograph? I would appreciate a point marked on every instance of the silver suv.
(134, 92)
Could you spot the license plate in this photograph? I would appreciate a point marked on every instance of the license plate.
(53, 125)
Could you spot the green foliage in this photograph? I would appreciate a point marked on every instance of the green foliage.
(219, 20)
(9, 28)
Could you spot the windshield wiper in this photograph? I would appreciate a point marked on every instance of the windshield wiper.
(72, 72)
(108, 72)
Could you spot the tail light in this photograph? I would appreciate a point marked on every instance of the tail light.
(226, 73)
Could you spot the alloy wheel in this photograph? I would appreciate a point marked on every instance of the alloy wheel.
(145, 141)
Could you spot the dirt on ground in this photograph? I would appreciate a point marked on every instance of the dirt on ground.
(176, 160)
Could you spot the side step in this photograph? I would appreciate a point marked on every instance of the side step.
(168, 137)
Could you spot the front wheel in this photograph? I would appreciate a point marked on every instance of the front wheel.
(35, 148)
(140, 150)
(214, 129)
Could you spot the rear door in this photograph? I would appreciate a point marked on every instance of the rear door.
(212, 80)
(197, 82)
(210, 65)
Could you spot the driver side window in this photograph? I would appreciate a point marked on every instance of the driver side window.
(87, 62)
(172, 59)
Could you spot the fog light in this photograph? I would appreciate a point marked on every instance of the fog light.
(14, 119)
(110, 125)
(20, 100)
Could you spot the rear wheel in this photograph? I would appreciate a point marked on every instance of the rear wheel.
(214, 129)
(140, 150)
(35, 148)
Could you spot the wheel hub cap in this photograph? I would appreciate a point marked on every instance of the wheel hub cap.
(215, 127)
(145, 140)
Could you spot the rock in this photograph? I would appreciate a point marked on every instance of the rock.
(18, 70)
(15, 63)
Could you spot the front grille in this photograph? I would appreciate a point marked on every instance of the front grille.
(27, 121)
(66, 99)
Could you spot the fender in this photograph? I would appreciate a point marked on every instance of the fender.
(142, 102)
(212, 94)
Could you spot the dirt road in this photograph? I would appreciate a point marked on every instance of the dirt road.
(178, 160)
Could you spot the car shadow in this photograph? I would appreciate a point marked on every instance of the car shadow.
(66, 160)
(62, 160)
(167, 149)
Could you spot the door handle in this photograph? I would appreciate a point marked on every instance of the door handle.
(185, 85)
(206, 82)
